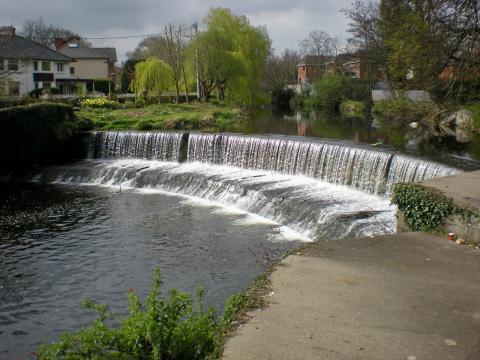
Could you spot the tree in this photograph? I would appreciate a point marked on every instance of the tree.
(426, 37)
(319, 44)
(232, 55)
(176, 55)
(280, 70)
(153, 46)
(128, 74)
(152, 77)
(44, 34)
(366, 29)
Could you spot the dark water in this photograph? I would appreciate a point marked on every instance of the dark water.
(60, 244)
(456, 147)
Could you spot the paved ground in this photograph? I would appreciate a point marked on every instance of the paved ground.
(463, 188)
(406, 296)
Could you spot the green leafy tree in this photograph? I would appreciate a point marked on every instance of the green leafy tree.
(232, 55)
(152, 77)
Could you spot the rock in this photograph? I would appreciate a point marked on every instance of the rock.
(463, 118)
(460, 118)
(414, 124)
(449, 120)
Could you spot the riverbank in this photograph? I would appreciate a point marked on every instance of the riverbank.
(193, 116)
(403, 296)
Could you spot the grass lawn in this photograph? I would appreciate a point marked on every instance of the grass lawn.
(193, 116)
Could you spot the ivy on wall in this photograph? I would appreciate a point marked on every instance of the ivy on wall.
(425, 209)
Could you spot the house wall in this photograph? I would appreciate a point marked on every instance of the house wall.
(24, 75)
(89, 69)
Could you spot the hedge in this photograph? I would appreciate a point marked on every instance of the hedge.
(34, 134)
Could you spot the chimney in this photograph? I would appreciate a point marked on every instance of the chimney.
(58, 43)
(7, 30)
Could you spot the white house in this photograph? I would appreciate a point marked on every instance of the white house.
(25, 65)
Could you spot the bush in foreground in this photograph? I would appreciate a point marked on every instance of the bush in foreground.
(162, 328)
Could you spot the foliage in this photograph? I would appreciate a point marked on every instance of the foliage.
(330, 91)
(36, 133)
(352, 109)
(425, 209)
(163, 328)
(297, 102)
(281, 97)
(99, 103)
(232, 54)
(127, 75)
(152, 77)
(475, 109)
(401, 111)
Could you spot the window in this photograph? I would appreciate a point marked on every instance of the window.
(35, 66)
(72, 70)
(46, 85)
(60, 67)
(37, 86)
(45, 65)
(2, 64)
(12, 65)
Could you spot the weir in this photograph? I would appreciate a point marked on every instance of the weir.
(361, 167)
(293, 182)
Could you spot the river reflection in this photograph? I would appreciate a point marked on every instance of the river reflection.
(454, 146)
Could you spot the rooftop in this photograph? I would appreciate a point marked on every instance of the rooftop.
(77, 50)
(17, 47)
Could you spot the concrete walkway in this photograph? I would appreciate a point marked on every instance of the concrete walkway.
(406, 296)
(463, 188)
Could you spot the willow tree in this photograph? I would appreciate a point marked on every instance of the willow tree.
(232, 55)
(152, 77)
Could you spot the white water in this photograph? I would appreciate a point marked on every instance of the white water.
(365, 169)
(140, 145)
(311, 207)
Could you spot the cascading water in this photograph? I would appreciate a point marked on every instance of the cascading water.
(321, 189)
(372, 171)
(141, 145)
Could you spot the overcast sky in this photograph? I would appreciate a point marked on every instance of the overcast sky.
(287, 21)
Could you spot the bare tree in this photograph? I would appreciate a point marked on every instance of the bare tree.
(44, 34)
(319, 44)
(153, 46)
(176, 56)
(365, 27)
(280, 70)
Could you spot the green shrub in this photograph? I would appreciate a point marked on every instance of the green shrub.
(163, 328)
(330, 91)
(425, 209)
(297, 102)
(401, 111)
(281, 97)
(352, 109)
(35, 133)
